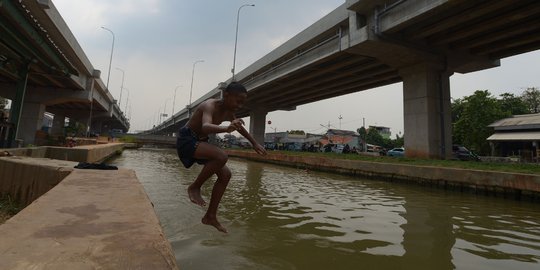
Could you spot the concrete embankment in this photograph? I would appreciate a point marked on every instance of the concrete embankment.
(489, 181)
(33, 171)
(25, 179)
(78, 219)
(85, 153)
(91, 220)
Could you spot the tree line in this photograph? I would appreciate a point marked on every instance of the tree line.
(471, 116)
(372, 136)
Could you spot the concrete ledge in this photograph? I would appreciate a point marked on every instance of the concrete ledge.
(26, 179)
(91, 220)
(476, 179)
(86, 153)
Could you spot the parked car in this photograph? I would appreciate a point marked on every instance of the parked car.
(338, 148)
(396, 152)
(462, 153)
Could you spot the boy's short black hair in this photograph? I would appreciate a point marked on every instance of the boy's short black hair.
(235, 87)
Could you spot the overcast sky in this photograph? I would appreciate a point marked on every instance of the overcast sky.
(157, 42)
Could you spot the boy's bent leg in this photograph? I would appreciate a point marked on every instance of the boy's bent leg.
(216, 159)
(210, 218)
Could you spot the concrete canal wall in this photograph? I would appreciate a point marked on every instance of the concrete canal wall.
(31, 172)
(489, 181)
(78, 219)
(25, 179)
(85, 153)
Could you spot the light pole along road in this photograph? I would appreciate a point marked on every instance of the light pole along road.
(112, 50)
(192, 76)
(236, 38)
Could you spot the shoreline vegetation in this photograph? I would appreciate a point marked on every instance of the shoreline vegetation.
(526, 168)
(8, 208)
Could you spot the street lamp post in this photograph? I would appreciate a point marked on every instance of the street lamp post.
(112, 50)
(127, 101)
(365, 133)
(165, 107)
(192, 75)
(174, 101)
(236, 38)
(121, 87)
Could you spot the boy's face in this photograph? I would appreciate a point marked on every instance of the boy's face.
(234, 101)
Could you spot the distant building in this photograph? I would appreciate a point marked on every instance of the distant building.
(518, 135)
(384, 131)
(287, 141)
(338, 136)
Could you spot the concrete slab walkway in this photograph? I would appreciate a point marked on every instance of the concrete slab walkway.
(91, 220)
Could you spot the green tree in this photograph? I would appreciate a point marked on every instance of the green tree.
(362, 132)
(512, 104)
(297, 132)
(457, 109)
(531, 97)
(477, 111)
(373, 137)
(399, 141)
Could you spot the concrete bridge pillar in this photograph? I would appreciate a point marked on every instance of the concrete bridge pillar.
(59, 120)
(257, 124)
(31, 121)
(96, 126)
(427, 113)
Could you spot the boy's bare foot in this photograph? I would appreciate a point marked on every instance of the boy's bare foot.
(195, 196)
(215, 223)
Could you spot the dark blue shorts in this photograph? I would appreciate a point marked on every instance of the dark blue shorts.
(186, 143)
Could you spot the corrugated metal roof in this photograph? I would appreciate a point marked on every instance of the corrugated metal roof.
(525, 121)
(515, 136)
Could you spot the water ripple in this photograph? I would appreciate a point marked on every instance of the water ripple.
(284, 218)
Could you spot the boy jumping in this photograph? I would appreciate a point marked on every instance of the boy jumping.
(192, 146)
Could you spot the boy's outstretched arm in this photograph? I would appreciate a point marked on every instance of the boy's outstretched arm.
(256, 146)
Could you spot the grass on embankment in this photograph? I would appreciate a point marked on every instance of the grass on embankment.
(527, 168)
(8, 208)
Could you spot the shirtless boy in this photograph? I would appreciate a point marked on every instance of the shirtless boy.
(192, 146)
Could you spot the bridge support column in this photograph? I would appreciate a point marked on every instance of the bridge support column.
(427, 114)
(59, 120)
(105, 128)
(31, 121)
(97, 126)
(257, 125)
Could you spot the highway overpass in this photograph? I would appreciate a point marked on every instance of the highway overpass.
(44, 69)
(364, 44)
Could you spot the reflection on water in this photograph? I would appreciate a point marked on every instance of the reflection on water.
(283, 218)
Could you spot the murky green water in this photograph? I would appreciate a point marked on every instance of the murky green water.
(284, 218)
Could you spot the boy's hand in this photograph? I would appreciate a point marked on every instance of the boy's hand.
(259, 149)
(237, 123)
(230, 128)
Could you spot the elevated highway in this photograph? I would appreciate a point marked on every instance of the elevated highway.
(365, 44)
(44, 69)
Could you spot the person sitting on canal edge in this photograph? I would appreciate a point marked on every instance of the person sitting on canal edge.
(192, 146)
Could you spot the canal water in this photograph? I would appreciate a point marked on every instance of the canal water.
(286, 218)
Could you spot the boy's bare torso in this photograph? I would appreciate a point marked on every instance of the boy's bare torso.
(213, 107)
